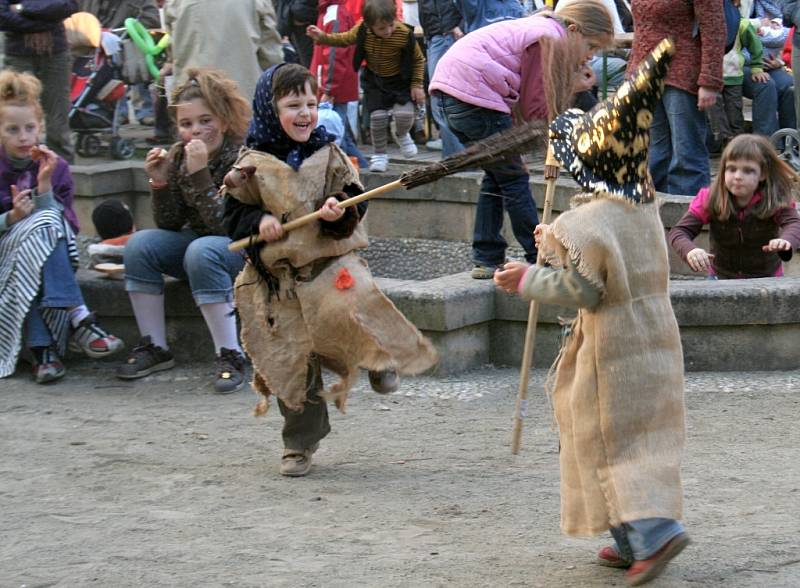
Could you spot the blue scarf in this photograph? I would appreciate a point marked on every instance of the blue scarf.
(266, 134)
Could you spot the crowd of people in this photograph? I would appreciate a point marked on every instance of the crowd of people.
(249, 155)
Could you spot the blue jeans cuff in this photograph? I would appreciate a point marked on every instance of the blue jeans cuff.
(143, 286)
(212, 296)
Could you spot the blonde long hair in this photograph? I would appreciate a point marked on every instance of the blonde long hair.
(561, 58)
(221, 95)
(778, 188)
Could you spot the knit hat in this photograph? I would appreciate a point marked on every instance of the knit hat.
(111, 219)
(605, 149)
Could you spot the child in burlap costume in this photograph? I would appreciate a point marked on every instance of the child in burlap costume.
(618, 387)
(306, 300)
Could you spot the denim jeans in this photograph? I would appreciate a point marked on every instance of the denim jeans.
(349, 145)
(642, 538)
(678, 153)
(773, 101)
(437, 46)
(204, 261)
(59, 289)
(504, 187)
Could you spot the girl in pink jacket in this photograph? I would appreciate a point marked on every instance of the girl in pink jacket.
(485, 76)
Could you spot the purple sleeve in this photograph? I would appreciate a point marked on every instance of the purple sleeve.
(788, 220)
(64, 191)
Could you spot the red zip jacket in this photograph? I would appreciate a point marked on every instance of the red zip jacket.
(333, 66)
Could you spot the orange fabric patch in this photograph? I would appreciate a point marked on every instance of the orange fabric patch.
(343, 280)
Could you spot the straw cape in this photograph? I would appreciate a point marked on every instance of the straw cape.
(321, 298)
(617, 392)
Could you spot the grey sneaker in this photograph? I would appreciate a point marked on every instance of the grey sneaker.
(296, 464)
(483, 272)
(384, 381)
(230, 371)
(93, 340)
(145, 359)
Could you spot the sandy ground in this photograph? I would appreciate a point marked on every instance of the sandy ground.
(162, 483)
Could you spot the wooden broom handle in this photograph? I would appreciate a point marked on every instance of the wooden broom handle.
(304, 220)
(533, 312)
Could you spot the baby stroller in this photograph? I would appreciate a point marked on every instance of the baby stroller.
(97, 89)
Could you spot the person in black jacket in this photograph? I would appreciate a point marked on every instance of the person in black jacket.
(293, 18)
(37, 43)
(440, 23)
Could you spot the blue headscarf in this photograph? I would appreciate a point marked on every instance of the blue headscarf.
(266, 134)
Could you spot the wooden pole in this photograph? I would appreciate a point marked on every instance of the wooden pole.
(304, 220)
(551, 175)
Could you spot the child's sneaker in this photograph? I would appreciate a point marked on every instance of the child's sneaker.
(145, 359)
(407, 146)
(230, 371)
(91, 339)
(47, 366)
(379, 163)
(483, 272)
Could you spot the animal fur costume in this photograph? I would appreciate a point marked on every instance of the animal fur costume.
(322, 298)
(617, 392)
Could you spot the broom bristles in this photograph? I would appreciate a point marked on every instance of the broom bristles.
(519, 139)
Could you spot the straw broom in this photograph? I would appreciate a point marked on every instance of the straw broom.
(519, 139)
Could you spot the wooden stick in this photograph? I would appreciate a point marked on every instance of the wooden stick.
(551, 175)
(304, 220)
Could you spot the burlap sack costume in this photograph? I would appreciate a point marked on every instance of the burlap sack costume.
(322, 298)
(618, 386)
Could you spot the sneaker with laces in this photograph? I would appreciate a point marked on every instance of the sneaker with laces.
(644, 570)
(407, 146)
(47, 366)
(379, 162)
(230, 371)
(93, 340)
(296, 463)
(384, 381)
(145, 359)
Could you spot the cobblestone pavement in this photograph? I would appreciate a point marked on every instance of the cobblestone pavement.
(162, 483)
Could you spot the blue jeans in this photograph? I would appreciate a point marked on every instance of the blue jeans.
(349, 145)
(204, 261)
(505, 184)
(773, 101)
(438, 46)
(59, 289)
(678, 153)
(640, 539)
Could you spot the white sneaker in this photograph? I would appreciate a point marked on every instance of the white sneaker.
(407, 146)
(434, 145)
(379, 163)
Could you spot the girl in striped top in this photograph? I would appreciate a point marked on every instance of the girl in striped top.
(38, 290)
(393, 77)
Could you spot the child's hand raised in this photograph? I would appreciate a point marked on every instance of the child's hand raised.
(22, 205)
(270, 229)
(330, 210)
(699, 260)
(508, 278)
(314, 32)
(156, 164)
(196, 156)
(47, 165)
(776, 245)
